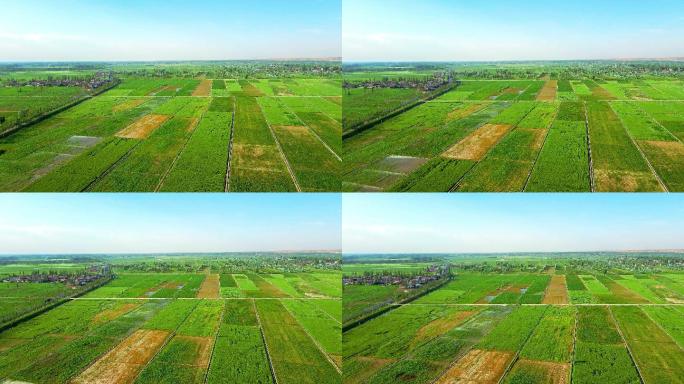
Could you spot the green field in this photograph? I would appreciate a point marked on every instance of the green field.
(538, 318)
(174, 326)
(554, 133)
(177, 134)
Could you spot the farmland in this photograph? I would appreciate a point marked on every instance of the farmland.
(537, 127)
(185, 127)
(224, 318)
(537, 318)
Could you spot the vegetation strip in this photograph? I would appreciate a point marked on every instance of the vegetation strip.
(282, 154)
(263, 339)
(624, 341)
(230, 150)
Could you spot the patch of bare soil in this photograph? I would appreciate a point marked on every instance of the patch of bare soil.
(460, 113)
(548, 93)
(441, 326)
(128, 105)
(210, 287)
(111, 314)
(143, 127)
(556, 292)
(203, 89)
(123, 363)
(555, 373)
(478, 367)
(478, 143)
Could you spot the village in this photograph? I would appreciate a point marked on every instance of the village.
(80, 279)
(98, 80)
(430, 84)
(408, 281)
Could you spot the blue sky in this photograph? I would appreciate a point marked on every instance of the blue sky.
(68, 30)
(467, 30)
(95, 223)
(425, 223)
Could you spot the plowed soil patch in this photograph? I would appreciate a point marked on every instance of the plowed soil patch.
(478, 143)
(123, 363)
(554, 373)
(478, 367)
(128, 105)
(460, 113)
(556, 292)
(548, 93)
(441, 326)
(143, 127)
(210, 287)
(111, 314)
(203, 89)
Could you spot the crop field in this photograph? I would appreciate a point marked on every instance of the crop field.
(170, 327)
(520, 135)
(568, 321)
(169, 134)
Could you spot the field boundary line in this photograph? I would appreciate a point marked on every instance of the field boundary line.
(111, 167)
(314, 132)
(330, 316)
(653, 119)
(643, 155)
(536, 159)
(166, 342)
(320, 348)
(280, 149)
(226, 186)
(178, 155)
(592, 183)
(624, 341)
(213, 346)
(516, 357)
(663, 329)
(263, 339)
(574, 347)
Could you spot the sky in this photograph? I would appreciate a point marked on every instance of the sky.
(151, 30)
(502, 30)
(146, 223)
(488, 223)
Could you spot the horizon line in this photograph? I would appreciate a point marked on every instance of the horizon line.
(4, 255)
(678, 250)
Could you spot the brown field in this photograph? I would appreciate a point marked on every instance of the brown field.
(548, 93)
(478, 143)
(128, 105)
(203, 89)
(460, 113)
(111, 314)
(557, 291)
(441, 326)
(554, 373)
(143, 127)
(624, 181)
(295, 130)
(478, 367)
(123, 363)
(210, 288)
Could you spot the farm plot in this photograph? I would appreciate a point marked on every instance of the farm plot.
(291, 349)
(657, 356)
